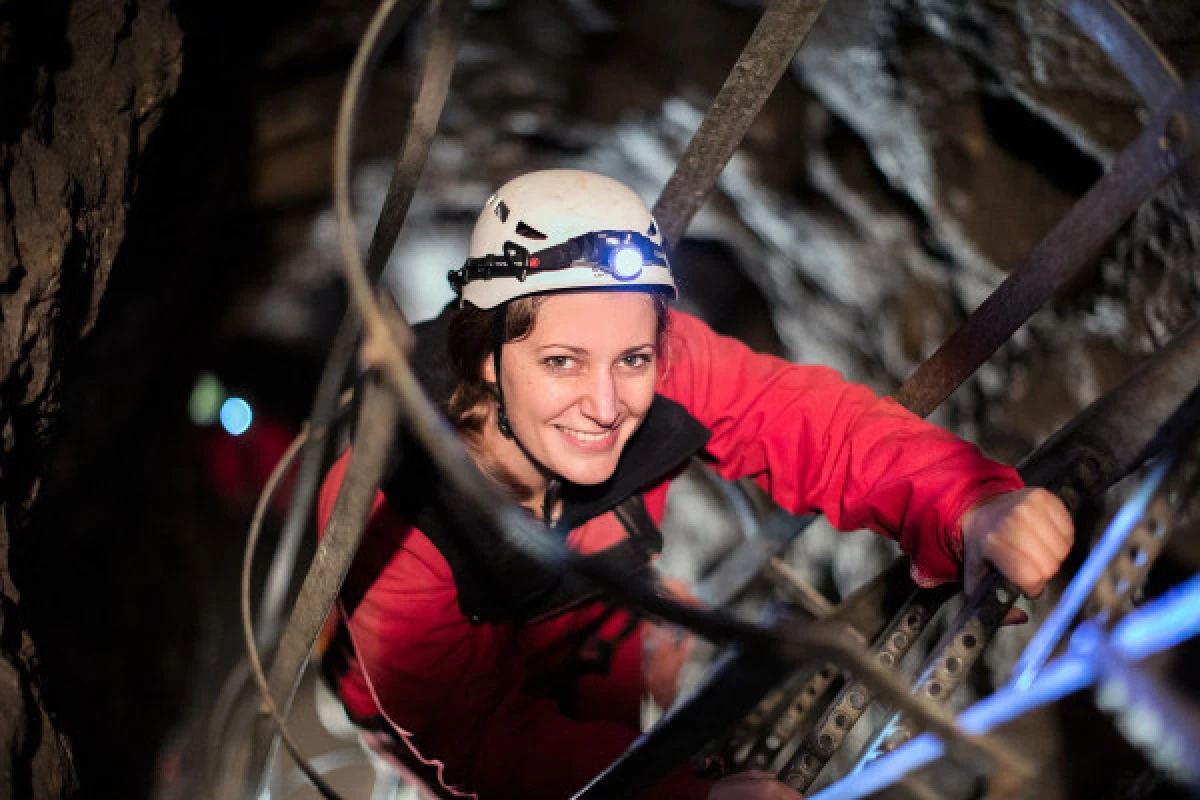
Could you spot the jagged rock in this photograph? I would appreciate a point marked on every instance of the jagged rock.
(83, 86)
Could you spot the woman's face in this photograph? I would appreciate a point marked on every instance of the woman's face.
(579, 385)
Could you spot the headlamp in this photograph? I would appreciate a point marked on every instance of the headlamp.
(626, 261)
(622, 254)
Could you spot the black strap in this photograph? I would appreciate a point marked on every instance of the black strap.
(630, 555)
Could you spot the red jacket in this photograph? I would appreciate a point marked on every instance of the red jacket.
(812, 440)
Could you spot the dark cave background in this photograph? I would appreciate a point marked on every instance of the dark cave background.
(166, 211)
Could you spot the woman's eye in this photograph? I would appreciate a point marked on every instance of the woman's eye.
(637, 360)
(558, 362)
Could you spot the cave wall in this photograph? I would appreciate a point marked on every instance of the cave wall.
(82, 90)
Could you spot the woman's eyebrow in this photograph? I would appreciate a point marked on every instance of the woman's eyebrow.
(579, 350)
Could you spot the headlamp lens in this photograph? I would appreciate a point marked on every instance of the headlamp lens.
(627, 262)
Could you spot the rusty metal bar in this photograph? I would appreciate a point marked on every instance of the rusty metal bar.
(748, 673)
(1122, 429)
(797, 589)
(766, 749)
(781, 30)
(952, 658)
(381, 408)
(852, 701)
(1127, 46)
(1103, 444)
(1138, 58)
(1169, 140)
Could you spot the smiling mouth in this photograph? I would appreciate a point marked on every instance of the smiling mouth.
(586, 438)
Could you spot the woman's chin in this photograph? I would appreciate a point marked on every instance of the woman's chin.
(590, 474)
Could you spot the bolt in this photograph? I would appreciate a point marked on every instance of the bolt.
(1088, 472)
(857, 700)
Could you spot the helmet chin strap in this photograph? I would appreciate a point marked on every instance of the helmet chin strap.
(554, 482)
(499, 324)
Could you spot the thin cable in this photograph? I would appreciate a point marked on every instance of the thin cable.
(325, 406)
(256, 667)
(448, 21)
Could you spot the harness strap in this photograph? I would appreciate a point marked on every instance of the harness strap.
(630, 555)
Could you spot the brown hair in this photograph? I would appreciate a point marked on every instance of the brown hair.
(470, 340)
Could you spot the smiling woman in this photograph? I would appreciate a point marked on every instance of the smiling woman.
(574, 393)
(574, 385)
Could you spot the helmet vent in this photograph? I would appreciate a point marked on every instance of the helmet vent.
(653, 229)
(528, 232)
(501, 210)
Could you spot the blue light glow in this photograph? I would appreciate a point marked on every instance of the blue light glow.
(236, 416)
(627, 262)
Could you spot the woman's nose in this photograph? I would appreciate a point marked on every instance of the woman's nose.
(599, 401)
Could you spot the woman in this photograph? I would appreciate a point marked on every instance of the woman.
(574, 385)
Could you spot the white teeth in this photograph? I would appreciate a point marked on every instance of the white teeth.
(586, 437)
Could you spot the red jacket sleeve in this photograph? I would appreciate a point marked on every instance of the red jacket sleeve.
(818, 443)
(453, 689)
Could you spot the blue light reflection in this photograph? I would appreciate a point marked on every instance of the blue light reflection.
(236, 416)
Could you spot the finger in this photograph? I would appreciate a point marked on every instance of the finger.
(1044, 534)
(1025, 562)
(1029, 541)
(1057, 520)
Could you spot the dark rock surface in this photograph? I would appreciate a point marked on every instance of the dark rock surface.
(82, 89)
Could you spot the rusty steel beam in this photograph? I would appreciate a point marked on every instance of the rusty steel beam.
(1102, 445)
(781, 30)
(852, 701)
(1128, 47)
(1171, 138)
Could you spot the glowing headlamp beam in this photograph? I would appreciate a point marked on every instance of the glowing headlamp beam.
(627, 262)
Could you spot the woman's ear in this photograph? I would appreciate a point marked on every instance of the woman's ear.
(487, 370)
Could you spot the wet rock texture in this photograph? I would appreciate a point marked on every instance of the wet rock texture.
(82, 89)
(916, 153)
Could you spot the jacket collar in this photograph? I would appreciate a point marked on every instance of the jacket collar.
(666, 439)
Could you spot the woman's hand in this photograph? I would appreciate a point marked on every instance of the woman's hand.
(1025, 534)
(751, 786)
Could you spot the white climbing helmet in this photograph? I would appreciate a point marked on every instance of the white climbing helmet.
(561, 229)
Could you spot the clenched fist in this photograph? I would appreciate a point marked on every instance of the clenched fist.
(1025, 534)
(751, 786)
